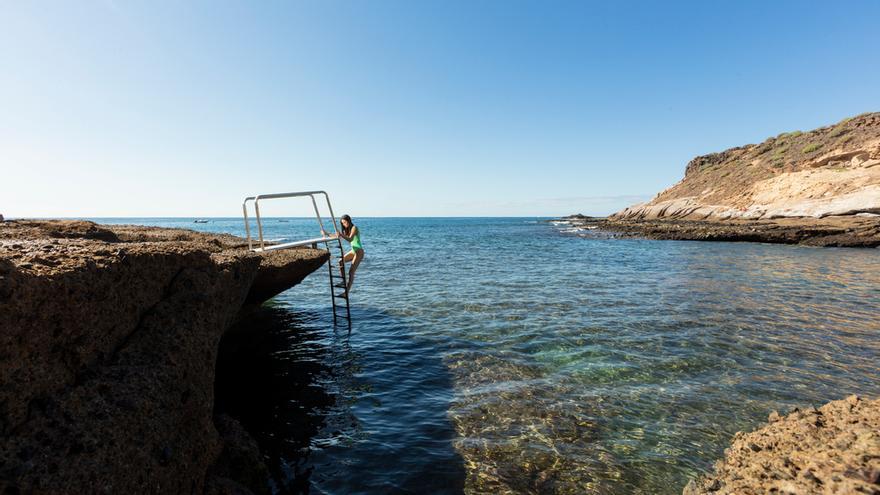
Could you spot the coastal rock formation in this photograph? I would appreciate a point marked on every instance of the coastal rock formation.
(837, 231)
(819, 188)
(830, 171)
(833, 449)
(108, 344)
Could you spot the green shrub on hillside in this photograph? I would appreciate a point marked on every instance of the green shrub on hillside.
(792, 134)
(811, 147)
(843, 140)
(764, 147)
(839, 130)
(841, 127)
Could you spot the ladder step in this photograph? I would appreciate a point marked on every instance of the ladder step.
(337, 281)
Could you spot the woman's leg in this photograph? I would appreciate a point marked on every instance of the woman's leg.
(358, 256)
(348, 257)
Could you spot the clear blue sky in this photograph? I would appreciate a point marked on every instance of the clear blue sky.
(115, 108)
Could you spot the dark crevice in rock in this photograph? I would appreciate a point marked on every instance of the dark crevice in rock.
(144, 315)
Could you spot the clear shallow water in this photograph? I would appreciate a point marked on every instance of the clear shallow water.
(502, 356)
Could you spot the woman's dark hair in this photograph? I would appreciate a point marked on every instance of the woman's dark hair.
(345, 230)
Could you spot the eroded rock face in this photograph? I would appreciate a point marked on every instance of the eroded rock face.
(108, 343)
(834, 170)
(833, 449)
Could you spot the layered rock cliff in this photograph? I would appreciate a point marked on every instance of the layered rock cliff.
(820, 188)
(830, 171)
(108, 346)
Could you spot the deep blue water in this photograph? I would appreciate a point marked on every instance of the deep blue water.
(500, 355)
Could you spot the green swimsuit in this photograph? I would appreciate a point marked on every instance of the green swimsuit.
(356, 242)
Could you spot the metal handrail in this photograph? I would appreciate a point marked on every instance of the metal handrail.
(311, 194)
(325, 239)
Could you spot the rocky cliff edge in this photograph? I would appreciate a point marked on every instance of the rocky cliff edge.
(830, 171)
(108, 344)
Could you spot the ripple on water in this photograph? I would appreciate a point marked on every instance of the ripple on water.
(510, 358)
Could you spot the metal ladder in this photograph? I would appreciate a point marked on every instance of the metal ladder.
(335, 282)
(334, 285)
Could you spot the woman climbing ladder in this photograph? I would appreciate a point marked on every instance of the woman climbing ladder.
(351, 234)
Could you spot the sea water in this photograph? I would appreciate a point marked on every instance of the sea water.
(512, 355)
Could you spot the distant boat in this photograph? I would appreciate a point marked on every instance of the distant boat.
(283, 220)
(200, 221)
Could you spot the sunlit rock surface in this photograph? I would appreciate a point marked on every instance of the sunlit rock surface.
(819, 188)
(830, 171)
(833, 449)
(108, 343)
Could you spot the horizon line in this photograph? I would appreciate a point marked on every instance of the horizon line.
(296, 217)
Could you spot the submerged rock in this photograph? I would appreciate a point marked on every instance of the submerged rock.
(833, 449)
(108, 344)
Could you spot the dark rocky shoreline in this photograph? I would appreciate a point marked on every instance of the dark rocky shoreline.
(109, 340)
(835, 231)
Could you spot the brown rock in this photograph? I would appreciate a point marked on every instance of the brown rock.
(240, 461)
(795, 455)
(281, 269)
(819, 188)
(840, 231)
(800, 174)
(108, 342)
